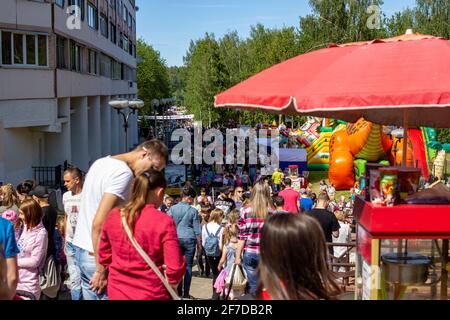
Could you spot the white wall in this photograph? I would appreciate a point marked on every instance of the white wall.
(17, 154)
(79, 133)
(94, 130)
(26, 83)
(105, 116)
(26, 13)
(28, 113)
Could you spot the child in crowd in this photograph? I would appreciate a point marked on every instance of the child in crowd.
(204, 268)
(230, 238)
(345, 236)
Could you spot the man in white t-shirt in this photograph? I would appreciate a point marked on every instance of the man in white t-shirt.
(71, 202)
(106, 187)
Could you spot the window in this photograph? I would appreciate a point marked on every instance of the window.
(125, 13)
(23, 49)
(116, 70)
(18, 48)
(130, 48)
(60, 3)
(80, 4)
(31, 49)
(42, 50)
(113, 33)
(104, 25)
(92, 68)
(121, 40)
(61, 53)
(76, 56)
(105, 66)
(92, 16)
(6, 48)
(130, 21)
(125, 43)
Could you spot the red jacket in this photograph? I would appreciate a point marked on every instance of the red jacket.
(130, 277)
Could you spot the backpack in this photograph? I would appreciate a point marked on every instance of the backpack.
(212, 247)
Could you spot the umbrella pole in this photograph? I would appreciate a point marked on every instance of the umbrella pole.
(405, 137)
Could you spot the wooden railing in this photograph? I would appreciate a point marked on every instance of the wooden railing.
(342, 266)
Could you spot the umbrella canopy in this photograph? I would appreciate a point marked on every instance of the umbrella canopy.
(370, 79)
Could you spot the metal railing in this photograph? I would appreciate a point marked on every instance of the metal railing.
(48, 176)
(52, 176)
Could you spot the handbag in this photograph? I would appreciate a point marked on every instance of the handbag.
(236, 279)
(50, 278)
(147, 259)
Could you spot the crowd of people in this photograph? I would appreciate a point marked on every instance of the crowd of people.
(119, 217)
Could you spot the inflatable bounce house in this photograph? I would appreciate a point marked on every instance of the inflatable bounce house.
(356, 144)
(314, 136)
(344, 148)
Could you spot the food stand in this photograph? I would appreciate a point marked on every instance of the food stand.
(386, 268)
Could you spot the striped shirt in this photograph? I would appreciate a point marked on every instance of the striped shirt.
(250, 230)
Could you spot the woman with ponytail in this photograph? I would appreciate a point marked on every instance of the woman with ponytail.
(130, 277)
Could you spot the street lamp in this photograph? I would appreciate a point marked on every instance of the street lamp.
(122, 104)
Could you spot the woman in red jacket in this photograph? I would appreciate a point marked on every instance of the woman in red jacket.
(130, 277)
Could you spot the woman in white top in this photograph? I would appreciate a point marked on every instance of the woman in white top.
(213, 229)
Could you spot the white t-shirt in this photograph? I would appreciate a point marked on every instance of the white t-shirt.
(212, 229)
(345, 236)
(71, 205)
(106, 175)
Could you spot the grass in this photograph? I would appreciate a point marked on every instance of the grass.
(316, 176)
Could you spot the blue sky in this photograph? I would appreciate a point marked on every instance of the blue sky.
(170, 25)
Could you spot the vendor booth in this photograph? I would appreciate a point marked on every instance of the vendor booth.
(402, 251)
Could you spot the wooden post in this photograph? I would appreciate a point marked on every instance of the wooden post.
(405, 137)
(444, 272)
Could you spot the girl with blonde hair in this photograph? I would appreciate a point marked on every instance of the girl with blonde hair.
(8, 199)
(250, 225)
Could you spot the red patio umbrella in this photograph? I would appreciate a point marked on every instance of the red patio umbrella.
(403, 81)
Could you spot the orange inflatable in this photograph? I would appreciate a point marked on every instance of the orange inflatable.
(397, 152)
(341, 161)
(361, 140)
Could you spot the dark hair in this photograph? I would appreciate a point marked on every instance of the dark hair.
(156, 148)
(278, 201)
(188, 192)
(287, 181)
(25, 187)
(299, 271)
(142, 184)
(75, 172)
(32, 212)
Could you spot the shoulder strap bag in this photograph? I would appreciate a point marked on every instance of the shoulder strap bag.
(147, 259)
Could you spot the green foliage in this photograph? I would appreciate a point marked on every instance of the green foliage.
(443, 135)
(152, 76)
(206, 77)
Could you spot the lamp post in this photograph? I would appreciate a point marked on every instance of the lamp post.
(155, 104)
(120, 105)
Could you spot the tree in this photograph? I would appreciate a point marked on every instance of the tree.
(340, 21)
(152, 76)
(178, 83)
(206, 77)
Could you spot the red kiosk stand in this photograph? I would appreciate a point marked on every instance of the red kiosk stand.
(402, 251)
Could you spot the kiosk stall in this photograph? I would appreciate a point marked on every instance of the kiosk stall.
(402, 251)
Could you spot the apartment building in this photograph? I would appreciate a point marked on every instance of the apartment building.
(61, 62)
